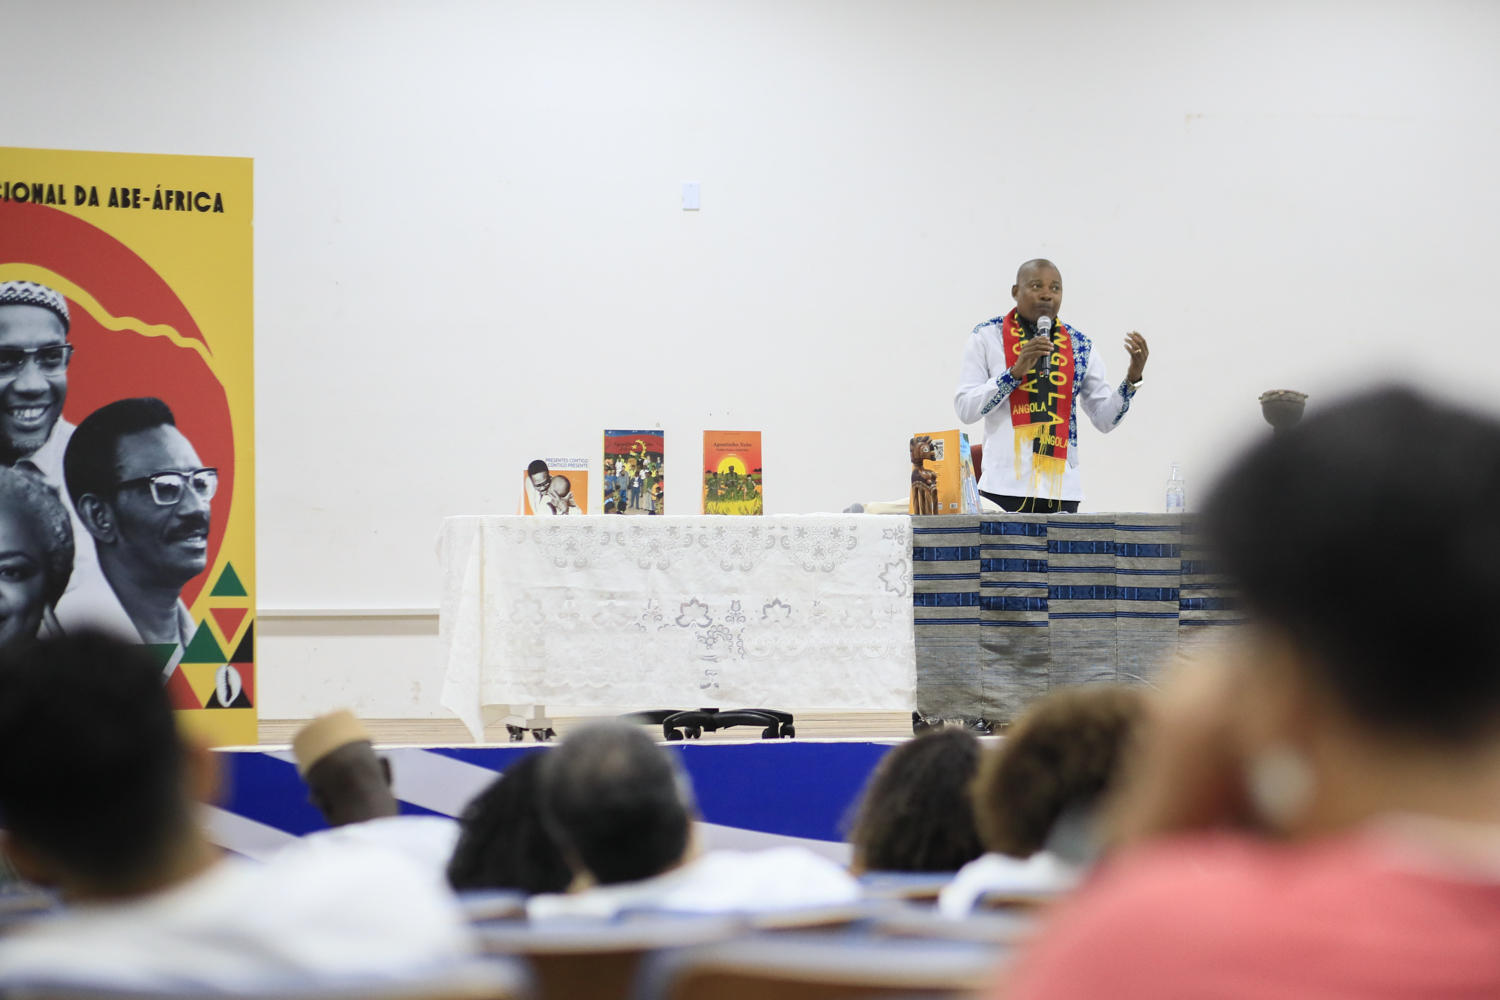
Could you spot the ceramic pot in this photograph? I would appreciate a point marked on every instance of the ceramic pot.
(1282, 408)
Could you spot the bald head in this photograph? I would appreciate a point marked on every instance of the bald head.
(1038, 290)
(1037, 264)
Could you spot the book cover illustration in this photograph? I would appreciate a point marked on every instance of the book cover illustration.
(552, 486)
(731, 473)
(634, 482)
(942, 477)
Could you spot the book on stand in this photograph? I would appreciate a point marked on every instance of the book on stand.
(552, 486)
(731, 473)
(634, 479)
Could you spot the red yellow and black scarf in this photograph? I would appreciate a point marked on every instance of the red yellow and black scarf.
(1040, 408)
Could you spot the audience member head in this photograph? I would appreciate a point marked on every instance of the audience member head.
(1351, 693)
(1306, 526)
(36, 553)
(96, 786)
(503, 843)
(346, 779)
(916, 814)
(617, 805)
(1059, 759)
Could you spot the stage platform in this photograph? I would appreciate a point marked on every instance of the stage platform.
(751, 793)
(426, 732)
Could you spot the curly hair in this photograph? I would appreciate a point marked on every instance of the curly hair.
(916, 814)
(28, 492)
(503, 843)
(1065, 750)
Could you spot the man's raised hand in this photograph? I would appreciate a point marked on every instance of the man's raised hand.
(1135, 346)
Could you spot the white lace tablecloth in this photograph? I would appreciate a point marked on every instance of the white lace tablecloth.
(799, 611)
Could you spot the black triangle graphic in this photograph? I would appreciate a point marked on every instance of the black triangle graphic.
(245, 651)
(240, 701)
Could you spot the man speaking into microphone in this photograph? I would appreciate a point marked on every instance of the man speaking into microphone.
(1027, 375)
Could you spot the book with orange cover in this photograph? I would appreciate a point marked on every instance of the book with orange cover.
(731, 473)
(555, 486)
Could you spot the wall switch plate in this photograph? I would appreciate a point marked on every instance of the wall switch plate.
(690, 196)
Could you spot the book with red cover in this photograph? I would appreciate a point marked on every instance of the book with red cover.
(634, 477)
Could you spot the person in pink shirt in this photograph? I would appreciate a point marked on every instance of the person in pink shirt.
(1314, 811)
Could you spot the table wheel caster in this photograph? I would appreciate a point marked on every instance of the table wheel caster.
(695, 733)
(544, 735)
(517, 734)
(673, 734)
(788, 731)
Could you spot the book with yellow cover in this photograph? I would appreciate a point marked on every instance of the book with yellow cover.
(731, 473)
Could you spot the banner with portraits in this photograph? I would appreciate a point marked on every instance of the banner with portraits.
(127, 448)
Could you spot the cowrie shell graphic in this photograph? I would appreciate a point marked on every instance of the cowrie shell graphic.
(227, 681)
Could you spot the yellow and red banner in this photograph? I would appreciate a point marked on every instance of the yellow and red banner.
(127, 387)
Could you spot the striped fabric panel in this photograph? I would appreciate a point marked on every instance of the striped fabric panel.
(1010, 605)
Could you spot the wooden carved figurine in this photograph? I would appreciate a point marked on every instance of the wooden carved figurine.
(924, 496)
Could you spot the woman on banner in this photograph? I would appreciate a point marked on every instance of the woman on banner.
(36, 555)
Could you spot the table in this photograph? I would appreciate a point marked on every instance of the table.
(806, 611)
(1010, 605)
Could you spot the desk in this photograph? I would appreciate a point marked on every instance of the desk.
(806, 611)
(1010, 605)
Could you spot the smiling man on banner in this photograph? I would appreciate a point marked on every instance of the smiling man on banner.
(34, 359)
(1026, 376)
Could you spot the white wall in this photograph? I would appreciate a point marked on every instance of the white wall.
(470, 250)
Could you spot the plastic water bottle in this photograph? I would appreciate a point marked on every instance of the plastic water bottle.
(1176, 497)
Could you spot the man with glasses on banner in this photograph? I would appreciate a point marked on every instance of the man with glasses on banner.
(34, 357)
(144, 496)
(34, 354)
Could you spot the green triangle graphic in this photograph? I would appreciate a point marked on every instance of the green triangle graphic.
(228, 586)
(160, 651)
(204, 648)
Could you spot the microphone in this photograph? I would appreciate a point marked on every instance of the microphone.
(1044, 329)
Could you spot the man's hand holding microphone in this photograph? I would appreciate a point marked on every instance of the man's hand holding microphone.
(1037, 348)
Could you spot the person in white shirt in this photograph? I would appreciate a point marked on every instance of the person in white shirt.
(1038, 794)
(99, 793)
(351, 786)
(621, 811)
(1030, 410)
